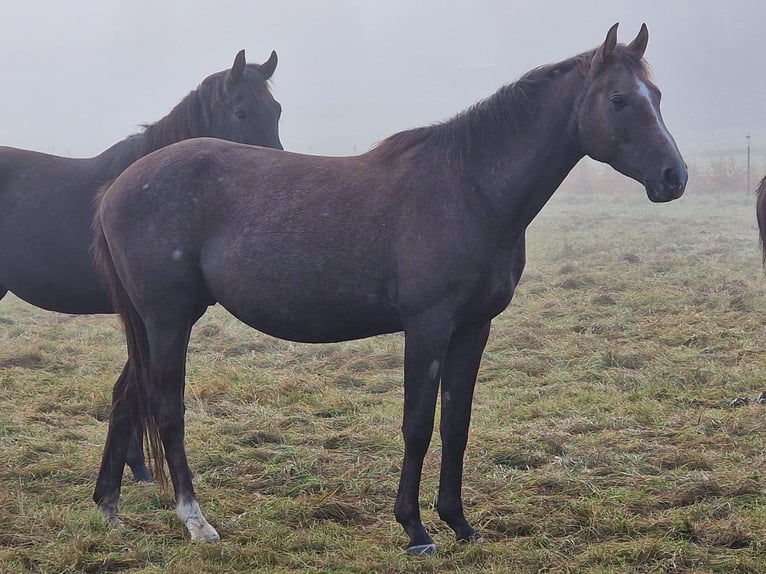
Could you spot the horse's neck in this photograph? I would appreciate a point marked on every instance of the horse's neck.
(115, 159)
(172, 128)
(187, 120)
(520, 177)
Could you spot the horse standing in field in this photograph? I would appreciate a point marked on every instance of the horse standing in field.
(47, 203)
(422, 234)
(760, 212)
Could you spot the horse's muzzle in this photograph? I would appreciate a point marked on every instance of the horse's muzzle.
(671, 185)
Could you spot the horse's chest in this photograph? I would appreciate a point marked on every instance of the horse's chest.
(495, 292)
(483, 293)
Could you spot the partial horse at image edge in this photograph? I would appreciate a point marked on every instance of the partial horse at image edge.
(760, 212)
(48, 202)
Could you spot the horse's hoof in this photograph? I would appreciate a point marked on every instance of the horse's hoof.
(108, 512)
(474, 538)
(142, 475)
(202, 531)
(422, 550)
(209, 537)
(113, 522)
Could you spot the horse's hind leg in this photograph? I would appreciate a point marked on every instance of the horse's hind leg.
(135, 458)
(168, 341)
(135, 455)
(122, 422)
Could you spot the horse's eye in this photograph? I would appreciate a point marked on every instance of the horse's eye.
(618, 101)
(240, 114)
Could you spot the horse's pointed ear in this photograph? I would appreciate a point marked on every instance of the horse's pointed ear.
(638, 46)
(268, 67)
(605, 50)
(238, 69)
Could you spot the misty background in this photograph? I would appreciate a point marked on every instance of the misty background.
(80, 76)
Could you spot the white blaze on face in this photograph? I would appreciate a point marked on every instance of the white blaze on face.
(646, 94)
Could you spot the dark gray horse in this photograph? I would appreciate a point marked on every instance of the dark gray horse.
(423, 234)
(47, 203)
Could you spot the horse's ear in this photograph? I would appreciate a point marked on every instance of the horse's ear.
(268, 67)
(638, 46)
(238, 69)
(605, 50)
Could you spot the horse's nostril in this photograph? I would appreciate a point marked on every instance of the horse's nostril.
(672, 178)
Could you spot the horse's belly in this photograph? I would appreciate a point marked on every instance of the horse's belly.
(63, 282)
(318, 322)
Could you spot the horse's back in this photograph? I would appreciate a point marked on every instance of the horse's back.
(221, 174)
(31, 172)
(250, 223)
(15, 164)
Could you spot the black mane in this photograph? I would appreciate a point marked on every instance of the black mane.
(503, 115)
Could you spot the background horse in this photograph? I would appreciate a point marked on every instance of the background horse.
(47, 203)
(760, 212)
(423, 234)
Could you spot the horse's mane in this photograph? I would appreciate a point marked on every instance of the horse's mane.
(192, 116)
(503, 115)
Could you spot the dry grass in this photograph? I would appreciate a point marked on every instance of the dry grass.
(602, 440)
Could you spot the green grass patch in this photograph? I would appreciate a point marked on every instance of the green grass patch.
(603, 439)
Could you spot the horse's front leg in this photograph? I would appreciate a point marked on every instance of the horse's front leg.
(423, 356)
(458, 381)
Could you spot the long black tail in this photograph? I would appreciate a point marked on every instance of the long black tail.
(138, 349)
(761, 214)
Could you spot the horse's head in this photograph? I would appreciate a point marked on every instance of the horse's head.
(247, 112)
(620, 123)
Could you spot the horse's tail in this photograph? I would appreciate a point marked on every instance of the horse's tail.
(138, 349)
(760, 211)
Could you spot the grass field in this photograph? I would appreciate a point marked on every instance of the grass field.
(602, 439)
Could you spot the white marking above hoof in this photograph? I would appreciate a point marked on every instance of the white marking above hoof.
(199, 528)
(108, 514)
(111, 520)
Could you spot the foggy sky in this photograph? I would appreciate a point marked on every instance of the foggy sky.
(79, 76)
